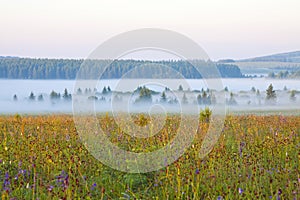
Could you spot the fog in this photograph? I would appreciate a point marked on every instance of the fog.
(121, 98)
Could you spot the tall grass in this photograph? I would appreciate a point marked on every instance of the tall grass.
(42, 157)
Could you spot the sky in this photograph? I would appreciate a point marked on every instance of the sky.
(223, 28)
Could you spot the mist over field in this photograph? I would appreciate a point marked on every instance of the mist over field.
(249, 94)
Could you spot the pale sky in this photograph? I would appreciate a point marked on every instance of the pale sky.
(223, 28)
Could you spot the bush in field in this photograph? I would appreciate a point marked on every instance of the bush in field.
(205, 115)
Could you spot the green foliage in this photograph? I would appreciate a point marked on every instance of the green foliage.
(271, 95)
(135, 181)
(285, 74)
(145, 95)
(66, 95)
(205, 115)
(206, 99)
(54, 95)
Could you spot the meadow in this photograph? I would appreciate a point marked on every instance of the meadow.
(256, 157)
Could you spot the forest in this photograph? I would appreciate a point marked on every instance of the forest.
(29, 68)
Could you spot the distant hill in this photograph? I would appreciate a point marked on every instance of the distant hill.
(291, 57)
(8, 57)
(27, 68)
(267, 64)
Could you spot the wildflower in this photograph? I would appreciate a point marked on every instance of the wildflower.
(219, 198)
(50, 188)
(241, 190)
(94, 186)
(6, 182)
(63, 179)
(197, 171)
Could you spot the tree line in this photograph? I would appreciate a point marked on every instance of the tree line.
(28, 68)
(204, 97)
(285, 74)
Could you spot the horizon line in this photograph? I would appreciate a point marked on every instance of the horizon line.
(153, 60)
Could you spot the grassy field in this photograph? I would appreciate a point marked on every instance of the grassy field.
(42, 157)
(261, 112)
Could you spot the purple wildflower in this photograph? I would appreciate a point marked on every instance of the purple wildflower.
(6, 182)
(278, 197)
(197, 171)
(242, 145)
(94, 186)
(241, 190)
(63, 179)
(50, 188)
